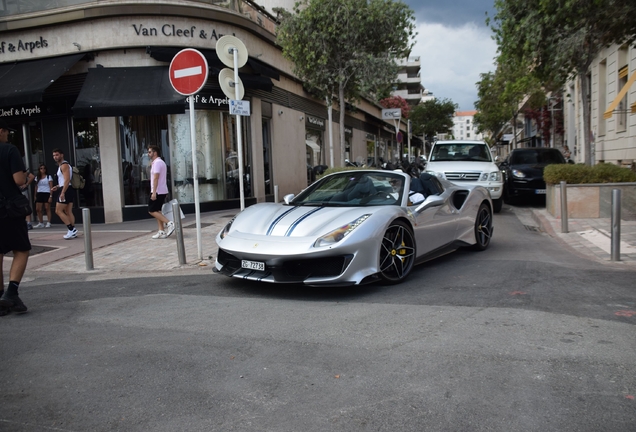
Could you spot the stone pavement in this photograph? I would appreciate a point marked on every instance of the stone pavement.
(591, 238)
(127, 250)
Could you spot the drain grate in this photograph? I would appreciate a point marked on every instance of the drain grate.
(531, 228)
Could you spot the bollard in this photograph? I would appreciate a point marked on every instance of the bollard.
(88, 240)
(276, 193)
(176, 218)
(616, 225)
(564, 207)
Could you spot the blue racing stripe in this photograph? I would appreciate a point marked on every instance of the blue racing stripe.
(305, 216)
(273, 225)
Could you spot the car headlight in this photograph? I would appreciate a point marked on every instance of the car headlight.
(340, 233)
(493, 176)
(436, 174)
(518, 174)
(227, 227)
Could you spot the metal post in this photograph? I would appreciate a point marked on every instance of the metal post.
(176, 216)
(564, 207)
(88, 240)
(616, 225)
(276, 193)
(195, 175)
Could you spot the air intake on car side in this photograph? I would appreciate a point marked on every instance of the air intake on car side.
(462, 176)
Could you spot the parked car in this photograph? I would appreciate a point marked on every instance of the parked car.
(354, 227)
(467, 162)
(523, 171)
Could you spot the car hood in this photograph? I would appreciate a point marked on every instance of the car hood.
(461, 166)
(279, 220)
(534, 170)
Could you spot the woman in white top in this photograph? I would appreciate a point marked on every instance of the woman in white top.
(43, 196)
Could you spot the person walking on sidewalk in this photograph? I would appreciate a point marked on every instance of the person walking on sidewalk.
(64, 204)
(158, 193)
(43, 196)
(15, 236)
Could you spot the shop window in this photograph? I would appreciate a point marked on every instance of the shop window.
(136, 134)
(216, 157)
(87, 160)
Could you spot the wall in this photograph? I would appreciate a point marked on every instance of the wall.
(289, 166)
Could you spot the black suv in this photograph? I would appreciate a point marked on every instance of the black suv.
(523, 170)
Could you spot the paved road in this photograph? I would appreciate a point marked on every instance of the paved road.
(525, 336)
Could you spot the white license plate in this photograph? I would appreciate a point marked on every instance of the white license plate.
(253, 265)
(539, 191)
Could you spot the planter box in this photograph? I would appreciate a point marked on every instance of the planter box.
(592, 200)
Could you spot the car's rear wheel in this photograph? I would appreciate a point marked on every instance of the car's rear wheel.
(397, 253)
(483, 228)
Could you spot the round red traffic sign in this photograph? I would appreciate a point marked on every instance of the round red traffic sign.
(188, 71)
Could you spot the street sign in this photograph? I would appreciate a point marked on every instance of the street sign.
(240, 107)
(399, 137)
(188, 71)
(392, 114)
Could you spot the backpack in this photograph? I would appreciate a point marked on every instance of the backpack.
(77, 181)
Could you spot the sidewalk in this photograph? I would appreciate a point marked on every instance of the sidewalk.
(591, 237)
(126, 249)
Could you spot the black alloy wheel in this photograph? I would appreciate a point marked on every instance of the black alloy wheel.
(483, 228)
(397, 253)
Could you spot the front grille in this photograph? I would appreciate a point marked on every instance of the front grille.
(317, 267)
(462, 176)
(229, 262)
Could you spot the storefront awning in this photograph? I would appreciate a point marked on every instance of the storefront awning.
(24, 82)
(111, 92)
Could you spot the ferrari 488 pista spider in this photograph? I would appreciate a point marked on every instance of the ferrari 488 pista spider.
(355, 227)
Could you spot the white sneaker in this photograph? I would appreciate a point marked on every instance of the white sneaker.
(160, 235)
(71, 234)
(169, 228)
(40, 225)
(48, 225)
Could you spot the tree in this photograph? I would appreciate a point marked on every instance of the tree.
(346, 48)
(397, 102)
(559, 40)
(432, 117)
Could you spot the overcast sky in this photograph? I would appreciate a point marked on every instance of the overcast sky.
(454, 46)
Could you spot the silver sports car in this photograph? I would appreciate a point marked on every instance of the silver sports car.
(355, 227)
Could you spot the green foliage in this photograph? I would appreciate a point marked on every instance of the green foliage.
(433, 117)
(348, 43)
(583, 174)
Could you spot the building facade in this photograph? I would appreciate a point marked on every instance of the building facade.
(409, 82)
(92, 79)
(464, 126)
(613, 109)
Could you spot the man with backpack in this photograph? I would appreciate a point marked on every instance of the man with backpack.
(66, 197)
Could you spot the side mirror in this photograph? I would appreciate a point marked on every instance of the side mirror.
(288, 198)
(429, 202)
(496, 158)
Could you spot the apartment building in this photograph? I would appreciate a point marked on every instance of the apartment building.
(409, 81)
(464, 127)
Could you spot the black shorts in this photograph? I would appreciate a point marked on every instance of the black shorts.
(42, 197)
(15, 236)
(69, 196)
(155, 206)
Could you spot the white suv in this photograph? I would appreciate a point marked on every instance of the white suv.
(467, 162)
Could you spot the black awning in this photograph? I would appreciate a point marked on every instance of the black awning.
(24, 82)
(111, 92)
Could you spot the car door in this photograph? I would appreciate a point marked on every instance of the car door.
(436, 226)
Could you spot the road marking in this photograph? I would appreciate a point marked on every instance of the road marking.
(182, 73)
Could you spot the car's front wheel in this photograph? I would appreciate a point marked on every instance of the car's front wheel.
(397, 253)
(483, 228)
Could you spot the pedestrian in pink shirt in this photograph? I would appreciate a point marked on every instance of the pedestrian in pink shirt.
(158, 193)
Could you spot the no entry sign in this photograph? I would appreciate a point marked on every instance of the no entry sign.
(188, 71)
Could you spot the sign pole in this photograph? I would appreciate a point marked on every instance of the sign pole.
(195, 176)
(239, 137)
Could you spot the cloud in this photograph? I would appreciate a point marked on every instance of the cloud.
(452, 59)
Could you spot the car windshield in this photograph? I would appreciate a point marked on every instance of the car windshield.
(536, 156)
(353, 189)
(461, 152)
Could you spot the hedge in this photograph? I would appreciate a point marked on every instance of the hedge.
(582, 174)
